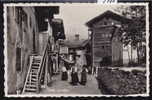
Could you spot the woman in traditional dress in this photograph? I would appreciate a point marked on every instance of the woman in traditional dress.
(74, 75)
(84, 75)
(64, 76)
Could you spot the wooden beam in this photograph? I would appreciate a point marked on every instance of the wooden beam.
(46, 72)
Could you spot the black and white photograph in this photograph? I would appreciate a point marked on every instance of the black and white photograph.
(76, 49)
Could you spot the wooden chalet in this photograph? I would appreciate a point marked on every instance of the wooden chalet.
(105, 32)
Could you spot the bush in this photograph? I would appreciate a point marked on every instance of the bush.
(132, 63)
(121, 82)
(117, 63)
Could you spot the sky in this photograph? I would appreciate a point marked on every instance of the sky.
(76, 15)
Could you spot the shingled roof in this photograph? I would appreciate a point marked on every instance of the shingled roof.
(108, 14)
(76, 44)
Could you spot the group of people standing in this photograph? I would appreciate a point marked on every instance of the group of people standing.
(78, 74)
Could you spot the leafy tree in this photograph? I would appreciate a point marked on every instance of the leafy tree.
(135, 31)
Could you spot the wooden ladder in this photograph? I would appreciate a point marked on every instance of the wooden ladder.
(35, 73)
(31, 83)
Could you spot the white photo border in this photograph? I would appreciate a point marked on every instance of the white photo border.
(69, 95)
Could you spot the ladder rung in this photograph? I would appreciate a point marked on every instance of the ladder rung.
(36, 61)
(35, 64)
(37, 57)
(32, 73)
(34, 70)
(32, 83)
(30, 89)
(33, 79)
(31, 86)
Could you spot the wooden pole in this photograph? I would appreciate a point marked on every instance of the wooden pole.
(46, 72)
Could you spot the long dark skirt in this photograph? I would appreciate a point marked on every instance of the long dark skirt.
(74, 78)
(83, 78)
(64, 76)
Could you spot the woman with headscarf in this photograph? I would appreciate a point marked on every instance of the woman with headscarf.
(74, 75)
(64, 76)
(84, 75)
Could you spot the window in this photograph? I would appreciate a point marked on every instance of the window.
(102, 47)
(30, 22)
(13, 11)
(34, 45)
(18, 15)
(24, 18)
(18, 59)
(105, 23)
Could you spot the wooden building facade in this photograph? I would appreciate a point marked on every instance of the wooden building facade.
(26, 27)
(107, 48)
(22, 34)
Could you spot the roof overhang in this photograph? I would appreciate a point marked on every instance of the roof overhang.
(47, 9)
(108, 14)
(43, 13)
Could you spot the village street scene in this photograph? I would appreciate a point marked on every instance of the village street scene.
(76, 49)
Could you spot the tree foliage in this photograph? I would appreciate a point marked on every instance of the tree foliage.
(134, 32)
